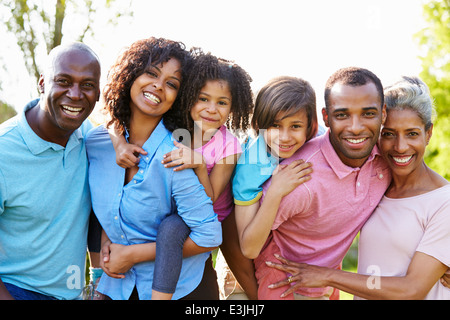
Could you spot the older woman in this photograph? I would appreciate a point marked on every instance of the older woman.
(404, 245)
(141, 97)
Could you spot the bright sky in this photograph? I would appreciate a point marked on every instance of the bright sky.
(307, 39)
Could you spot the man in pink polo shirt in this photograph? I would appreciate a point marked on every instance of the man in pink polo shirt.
(317, 222)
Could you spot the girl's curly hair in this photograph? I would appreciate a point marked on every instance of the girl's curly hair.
(207, 67)
(131, 64)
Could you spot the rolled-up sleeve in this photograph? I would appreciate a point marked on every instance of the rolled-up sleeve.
(196, 209)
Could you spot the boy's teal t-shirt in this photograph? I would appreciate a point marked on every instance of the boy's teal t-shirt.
(254, 167)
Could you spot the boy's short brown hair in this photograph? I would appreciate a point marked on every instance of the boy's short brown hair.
(289, 95)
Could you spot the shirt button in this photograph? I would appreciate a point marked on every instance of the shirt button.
(134, 181)
(142, 171)
(358, 184)
(122, 236)
(381, 176)
(116, 217)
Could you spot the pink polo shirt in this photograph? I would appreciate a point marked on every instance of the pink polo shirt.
(317, 222)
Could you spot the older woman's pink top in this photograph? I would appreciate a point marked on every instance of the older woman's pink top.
(399, 228)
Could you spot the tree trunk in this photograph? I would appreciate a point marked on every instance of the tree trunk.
(59, 19)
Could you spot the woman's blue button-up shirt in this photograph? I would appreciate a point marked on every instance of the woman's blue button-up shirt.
(131, 213)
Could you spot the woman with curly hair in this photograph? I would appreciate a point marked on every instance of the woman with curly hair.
(142, 98)
(217, 98)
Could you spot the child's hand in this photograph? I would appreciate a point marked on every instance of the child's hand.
(182, 158)
(127, 155)
(286, 178)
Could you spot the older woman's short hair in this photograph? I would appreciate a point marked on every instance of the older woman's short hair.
(413, 94)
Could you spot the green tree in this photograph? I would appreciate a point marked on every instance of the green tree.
(6, 112)
(40, 26)
(435, 43)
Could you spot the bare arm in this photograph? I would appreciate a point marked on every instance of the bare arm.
(254, 222)
(118, 259)
(220, 175)
(242, 267)
(423, 272)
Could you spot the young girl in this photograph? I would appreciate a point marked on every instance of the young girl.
(284, 119)
(218, 95)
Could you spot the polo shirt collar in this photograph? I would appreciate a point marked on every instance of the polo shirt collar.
(335, 162)
(35, 144)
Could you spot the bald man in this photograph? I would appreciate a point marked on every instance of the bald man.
(44, 196)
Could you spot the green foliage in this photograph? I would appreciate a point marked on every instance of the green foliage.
(19, 23)
(350, 262)
(39, 26)
(6, 112)
(435, 43)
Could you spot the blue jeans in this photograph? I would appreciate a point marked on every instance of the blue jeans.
(172, 233)
(23, 294)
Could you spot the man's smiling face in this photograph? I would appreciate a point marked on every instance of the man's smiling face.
(355, 117)
(71, 88)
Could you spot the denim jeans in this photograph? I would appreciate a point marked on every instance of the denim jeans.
(23, 294)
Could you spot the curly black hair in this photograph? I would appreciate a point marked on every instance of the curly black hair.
(131, 64)
(208, 67)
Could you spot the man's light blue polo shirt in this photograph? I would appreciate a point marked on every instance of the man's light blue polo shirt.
(44, 210)
(131, 214)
